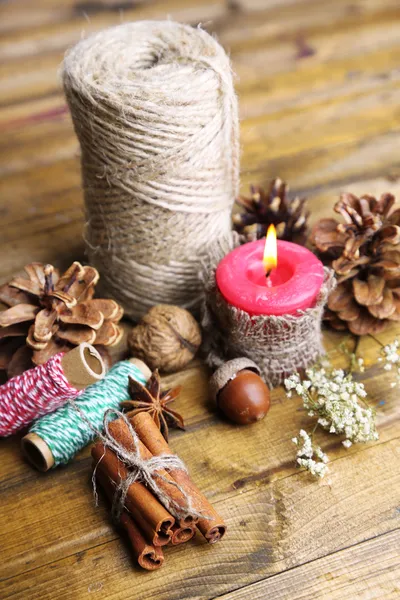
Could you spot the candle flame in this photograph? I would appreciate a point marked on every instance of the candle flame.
(270, 259)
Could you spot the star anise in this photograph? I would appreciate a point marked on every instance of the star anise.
(152, 400)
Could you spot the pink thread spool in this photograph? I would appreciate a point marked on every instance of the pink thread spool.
(45, 388)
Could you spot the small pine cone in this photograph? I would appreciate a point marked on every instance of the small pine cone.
(263, 208)
(364, 251)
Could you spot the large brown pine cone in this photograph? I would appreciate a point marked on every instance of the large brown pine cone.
(364, 251)
(48, 313)
(271, 206)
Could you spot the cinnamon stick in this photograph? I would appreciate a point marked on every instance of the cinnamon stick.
(180, 535)
(212, 527)
(149, 557)
(150, 515)
(157, 539)
(121, 434)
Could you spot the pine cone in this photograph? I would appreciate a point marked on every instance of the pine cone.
(364, 251)
(49, 313)
(289, 215)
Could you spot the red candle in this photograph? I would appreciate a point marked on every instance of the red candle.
(252, 278)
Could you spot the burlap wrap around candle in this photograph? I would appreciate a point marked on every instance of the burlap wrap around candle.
(155, 111)
(279, 345)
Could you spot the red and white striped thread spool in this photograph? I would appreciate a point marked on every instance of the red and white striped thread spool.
(45, 388)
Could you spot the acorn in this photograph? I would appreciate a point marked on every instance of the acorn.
(239, 391)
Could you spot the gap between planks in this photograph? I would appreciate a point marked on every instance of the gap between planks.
(360, 549)
(278, 562)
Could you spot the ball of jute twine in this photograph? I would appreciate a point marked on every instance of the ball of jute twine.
(155, 111)
(278, 345)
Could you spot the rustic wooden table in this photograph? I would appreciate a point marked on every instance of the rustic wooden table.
(319, 96)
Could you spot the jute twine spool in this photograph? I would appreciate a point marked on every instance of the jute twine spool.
(155, 111)
(278, 345)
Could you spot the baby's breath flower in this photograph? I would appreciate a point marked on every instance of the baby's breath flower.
(391, 358)
(338, 402)
(306, 453)
(334, 397)
(318, 469)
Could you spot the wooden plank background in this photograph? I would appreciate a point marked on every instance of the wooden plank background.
(318, 84)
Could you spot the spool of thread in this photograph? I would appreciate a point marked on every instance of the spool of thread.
(56, 438)
(156, 114)
(47, 387)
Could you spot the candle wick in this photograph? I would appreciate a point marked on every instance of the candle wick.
(267, 278)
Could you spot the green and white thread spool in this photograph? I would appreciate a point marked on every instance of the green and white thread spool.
(55, 439)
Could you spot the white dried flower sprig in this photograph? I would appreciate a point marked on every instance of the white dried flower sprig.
(335, 399)
(308, 452)
(391, 358)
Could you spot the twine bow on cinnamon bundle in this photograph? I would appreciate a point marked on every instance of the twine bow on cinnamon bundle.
(152, 494)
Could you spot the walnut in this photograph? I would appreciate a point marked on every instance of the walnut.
(167, 338)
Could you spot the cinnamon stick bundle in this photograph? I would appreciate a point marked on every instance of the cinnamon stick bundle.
(148, 512)
(149, 557)
(121, 434)
(146, 520)
(212, 525)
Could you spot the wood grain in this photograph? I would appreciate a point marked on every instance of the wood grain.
(346, 574)
(222, 476)
(318, 86)
(272, 528)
